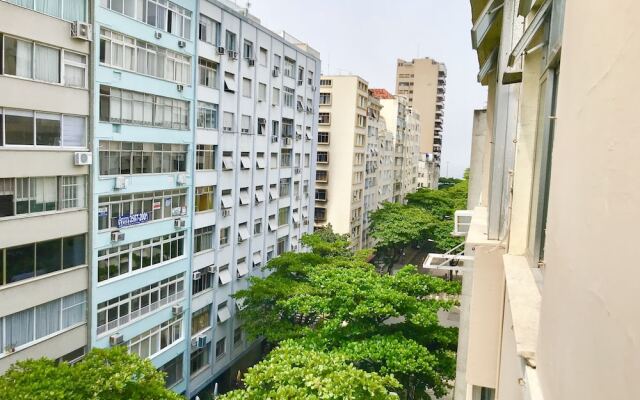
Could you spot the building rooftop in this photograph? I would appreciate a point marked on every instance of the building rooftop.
(381, 94)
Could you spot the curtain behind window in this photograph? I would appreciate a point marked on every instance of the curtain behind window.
(47, 318)
(19, 328)
(49, 7)
(73, 131)
(74, 10)
(47, 64)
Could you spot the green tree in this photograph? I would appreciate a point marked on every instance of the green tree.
(104, 374)
(294, 372)
(396, 227)
(343, 306)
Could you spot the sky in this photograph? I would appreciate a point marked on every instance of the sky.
(366, 37)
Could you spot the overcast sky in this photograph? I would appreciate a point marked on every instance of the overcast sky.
(365, 37)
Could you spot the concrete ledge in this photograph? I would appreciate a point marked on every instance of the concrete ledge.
(524, 299)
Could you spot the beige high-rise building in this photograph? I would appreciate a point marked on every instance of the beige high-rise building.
(423, 81)
(550, 284)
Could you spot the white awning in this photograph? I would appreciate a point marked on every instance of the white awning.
(525, 41)
(244, 197)
(309, 135)
(257, 258)
(245, 162)
(273, 193)
(295, 217)
(223, 314)
(260, 162)
(227, 201)
(224, 276)
(227, 162)
(243, 233)
(229, 85)
(305, 214)
(240, 304)
(242, 269)
(259, 195)
(272, 225)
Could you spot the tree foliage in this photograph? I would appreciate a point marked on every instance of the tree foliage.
(341, 305)
(110, 374)
(293, 371)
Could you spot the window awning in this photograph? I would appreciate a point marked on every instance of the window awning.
(244, 197)
(242, 269)
(227, 201)
(295, 217)
(259, 195)
(229, 85)
(227, 162)
(260, 163)
(224, 276)
(223, 314)
(309, 135)
(525, 41)
(243, 233)
(272, 225)
(485, 21)
(305, 214)
(488, 66)
(240, 304)
(245, 162)
(257, 258)
(273, 193)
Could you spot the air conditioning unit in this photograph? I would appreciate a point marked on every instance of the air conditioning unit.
(309, 109)
(116, 339)
(196, 275)
(211, 269)
(121, 182)
(182, 44)
(158, 35)
(274, 139)
(227, 129)
(294, 248)
(180, 88)
(199, 342)
(310, 81)
(286, 141)
(276, 71)
(226, 212)
(81, 30)
(300, 107)
(252, 62)
(82, 158)
(176, 310)
(298, 136)
(300, 82)
(296, 171)
(220, 50)
(181, 179)
(305, 221)
(245, 130)
(314, 88)
(179, 223)
(117, 236)
(233, 54)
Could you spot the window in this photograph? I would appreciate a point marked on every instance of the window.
(325, 82)
(245, 160)
(136, 108)
(262, 92)
(126, 158)
(257, 226)
(19, 196)
(285, 187)
(28, 128)
(359, 138)
(229, 82)
(209, 30)
(204, 198)
(273, 191)
(307, 160)
(288, 97)
(362, 121)
(133, 305)
(207, 115)
(228, 122)
(322, 176)
(36, 259)
(230, 40)
(224, 236)
(320, 214)
(321, 194)
(237, 337)
(243, 232)
(122, 210)
(126, 259)
(164, 15)
(300, 75)
(200, 320)
(277, 60)
(208, 73)
(289, 67)
(323, 137)
(275, 97)
(324, 118)
(74, 10)
(221, 348)
(323, 157)
(283, 216)
(247, 49)
(135, 55)
(325, 99)
(299, 105)
(262, 126)
(260, 160)
(46, 319)
(259, 194)
(263, 56)
(244, 198)
(203, 239)
(173, 371)
(223, 312)
(75, 70)
(205, 157)
(156, 339)
(274, 160)
(245, 124)
(200, 359)
(224, 276)
(202, 281)
(246, 87)
(287, 128)
(285, 158)
(227, 160)
(282, 245)
(32, 61)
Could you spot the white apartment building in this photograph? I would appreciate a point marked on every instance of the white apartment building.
(44, 109)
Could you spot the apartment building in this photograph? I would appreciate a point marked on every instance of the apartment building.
(423, 82)
(341, 157)
(44, 109)
(404, 124)
(548, 295)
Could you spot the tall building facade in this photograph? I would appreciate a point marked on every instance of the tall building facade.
(423, 82)
(548, 295)
(44, 217)
(164, 154)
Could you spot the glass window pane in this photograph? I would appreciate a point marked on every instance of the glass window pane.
(48, 256)
(18, 128)
(47, 64)
(20, 263)
(73, 251)
(47, 130)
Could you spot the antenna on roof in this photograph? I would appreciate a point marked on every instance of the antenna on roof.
(248, 5)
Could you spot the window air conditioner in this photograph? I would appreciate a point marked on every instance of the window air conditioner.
(82, 158)
(220, 50)
(300, 82)
(176, 310)
(180, 88)
(310, 81)
(226, 212)
(116, 339)
(286, 141)
(196, 275)
(296, 171)
(179, 223)
(252, 62)
(182, 44)
(276, 71)
(117, 236)
(181, 179)
(121, 182)
(199, 342)
(314, 88)
(158, 35)
(81, 30)
(274, 139)
(211, 269)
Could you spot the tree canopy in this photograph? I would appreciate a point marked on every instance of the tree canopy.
(340, 305)
(104, 374)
